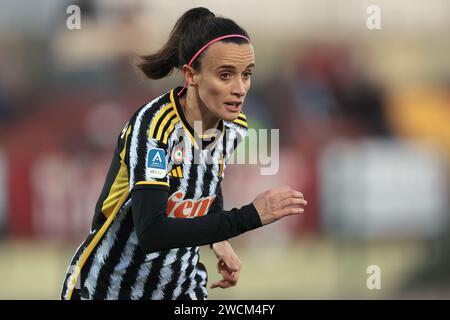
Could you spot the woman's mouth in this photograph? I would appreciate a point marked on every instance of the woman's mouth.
(233, 106)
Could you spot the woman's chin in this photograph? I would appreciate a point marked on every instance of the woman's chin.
(230, 116)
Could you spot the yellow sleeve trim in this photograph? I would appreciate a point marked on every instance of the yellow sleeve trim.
(154, 182)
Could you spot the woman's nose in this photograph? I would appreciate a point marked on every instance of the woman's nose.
(239, 88)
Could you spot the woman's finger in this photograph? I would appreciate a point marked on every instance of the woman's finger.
(292, 202)
(222, 284)
(291, 211)
(291, 194)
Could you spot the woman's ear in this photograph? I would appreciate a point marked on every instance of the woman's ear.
(189, 74)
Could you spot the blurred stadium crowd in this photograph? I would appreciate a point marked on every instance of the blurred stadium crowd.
(364, 116)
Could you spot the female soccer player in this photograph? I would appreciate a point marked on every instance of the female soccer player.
(162, 198)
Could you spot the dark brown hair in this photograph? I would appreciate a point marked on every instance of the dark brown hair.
(193, 30)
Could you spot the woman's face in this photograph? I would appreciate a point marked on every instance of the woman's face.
(225, 78)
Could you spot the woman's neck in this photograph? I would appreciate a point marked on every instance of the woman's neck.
(194, 110)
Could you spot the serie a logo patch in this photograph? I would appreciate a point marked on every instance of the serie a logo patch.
(156, 163)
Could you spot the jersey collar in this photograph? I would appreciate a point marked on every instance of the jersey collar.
(187, 127)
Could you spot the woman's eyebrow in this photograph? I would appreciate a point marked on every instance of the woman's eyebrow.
(229, 66)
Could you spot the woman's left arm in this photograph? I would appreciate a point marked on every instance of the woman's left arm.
(229, 265)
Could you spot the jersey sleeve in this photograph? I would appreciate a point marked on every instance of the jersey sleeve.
(217, 206)
(148, 155)
(155, 231)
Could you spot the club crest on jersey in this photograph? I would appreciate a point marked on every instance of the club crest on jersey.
(156, 163)
(179, 208)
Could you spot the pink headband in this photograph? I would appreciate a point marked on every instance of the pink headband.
(206, 46)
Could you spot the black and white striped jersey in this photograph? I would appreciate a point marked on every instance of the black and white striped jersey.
(157, 147)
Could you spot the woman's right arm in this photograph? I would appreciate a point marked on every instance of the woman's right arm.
(156, 231)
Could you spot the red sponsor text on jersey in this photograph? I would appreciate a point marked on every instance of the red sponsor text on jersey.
(179, 208)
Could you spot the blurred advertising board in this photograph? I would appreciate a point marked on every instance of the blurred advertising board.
(383, 189)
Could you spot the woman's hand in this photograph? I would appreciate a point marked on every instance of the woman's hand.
(277, 203)
(229, 265)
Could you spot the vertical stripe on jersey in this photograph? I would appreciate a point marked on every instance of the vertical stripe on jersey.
(131, 274)
(165, 275)
(231, 136)
(170, 146)
(153, 279)
(177, 290)
(215, 168)
(201, 168)
(103, 251)
(126, 259)
(108, 277)
(190, 283)
(192, 174)
(200, 280)
(187, 164)
(176, 267)
(137, 290)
